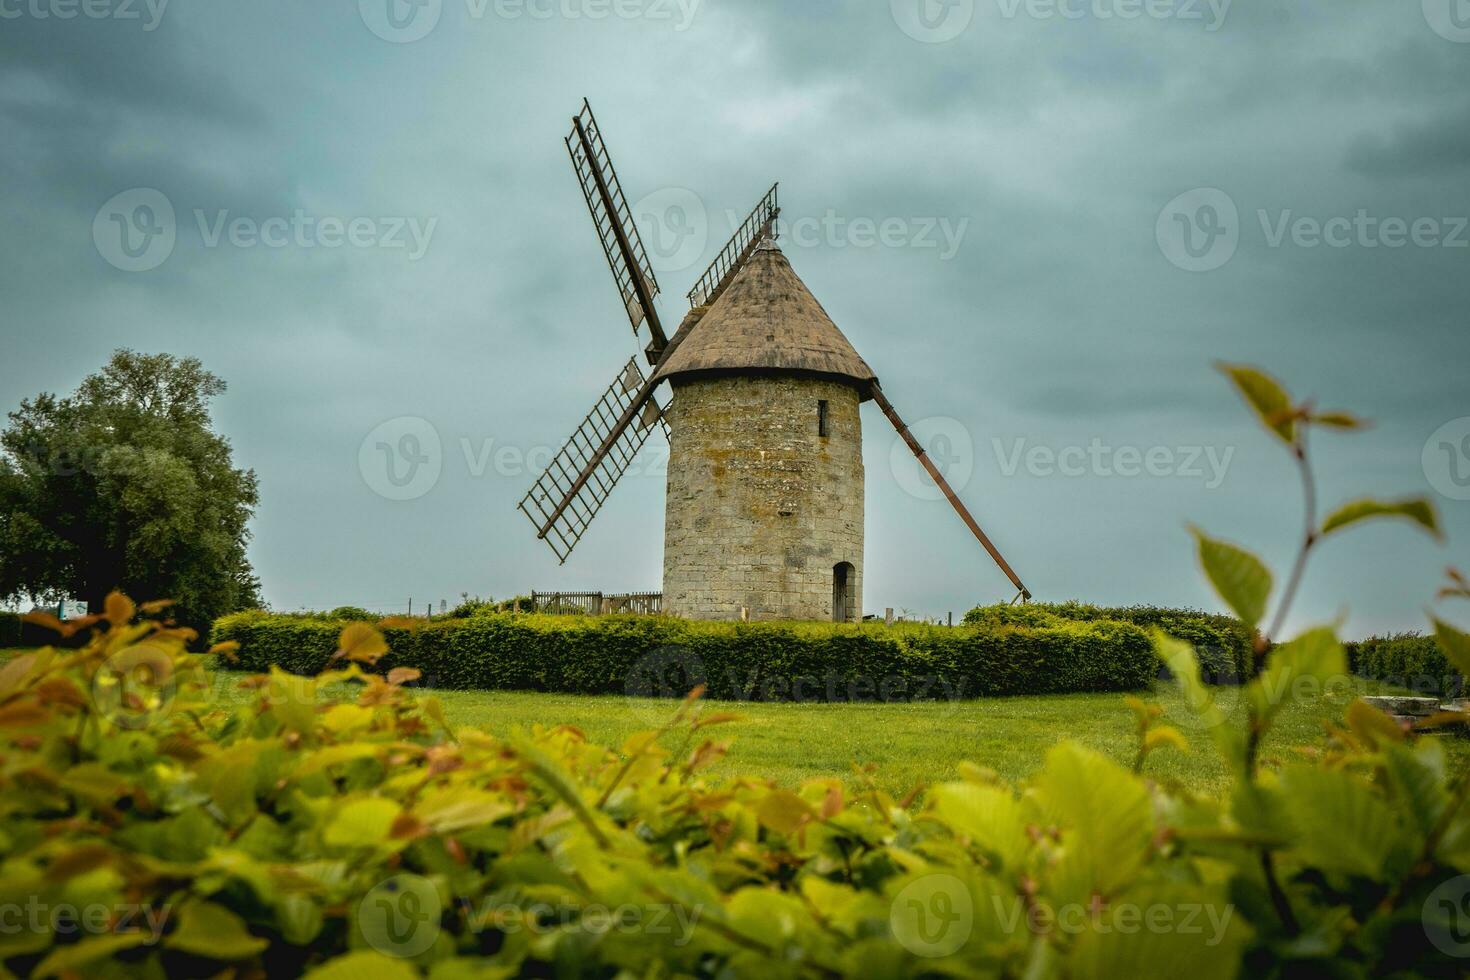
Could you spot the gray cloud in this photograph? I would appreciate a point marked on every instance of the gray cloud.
(1058, 319)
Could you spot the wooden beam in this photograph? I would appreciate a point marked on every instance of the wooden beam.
(943, 484)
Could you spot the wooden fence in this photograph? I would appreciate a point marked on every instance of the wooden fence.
(598, 603)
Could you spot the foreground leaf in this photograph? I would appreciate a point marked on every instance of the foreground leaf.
(1455, 644)
(1416, 509)
(1266, 395)
(1241, 579)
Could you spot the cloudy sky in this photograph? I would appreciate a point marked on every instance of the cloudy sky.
(1039, 221)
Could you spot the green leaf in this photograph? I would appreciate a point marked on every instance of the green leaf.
(1417, 509)
(1106, 818)
(362, 964)
(362, 823)
(1266, 395)
(1456, 645)
(70, 959)
(1341, 822)
(456, 808)
(1299, 669)
(1240, 578)
(1185, 931)
(213, 931)
(989, 815)
(1416, 776)
(1199, 699)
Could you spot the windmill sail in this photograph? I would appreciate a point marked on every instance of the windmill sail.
(943, 484)
(565, 499)
(613, 218)
(758, 225)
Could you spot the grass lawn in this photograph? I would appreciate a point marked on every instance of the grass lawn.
(911, 744)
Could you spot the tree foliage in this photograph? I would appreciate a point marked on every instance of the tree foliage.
(124, 484)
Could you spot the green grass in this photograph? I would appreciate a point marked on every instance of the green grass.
(910, 744)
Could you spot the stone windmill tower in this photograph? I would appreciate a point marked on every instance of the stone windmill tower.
(765, 484)
(765, 479)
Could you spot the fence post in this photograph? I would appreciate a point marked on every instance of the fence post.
(888, 616)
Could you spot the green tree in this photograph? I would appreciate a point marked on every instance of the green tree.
(124, 485)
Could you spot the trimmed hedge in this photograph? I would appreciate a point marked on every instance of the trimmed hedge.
(739, 661)
(1225, 645)
(15, 633)
(1410, 660)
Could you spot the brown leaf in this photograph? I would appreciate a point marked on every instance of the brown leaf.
(227, 649)
(119, 609)
(23, 714)
(832, 805)
(707, 754)
(408, 827)
(78, 860)
(157, 605)
(718, 718)
(402, 675)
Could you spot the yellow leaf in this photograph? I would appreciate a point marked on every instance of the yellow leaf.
(1266, 395)
(1165, 735)
(783, 811)
(359, 641)
(1372, 725)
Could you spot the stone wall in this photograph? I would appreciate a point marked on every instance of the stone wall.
(760, 507)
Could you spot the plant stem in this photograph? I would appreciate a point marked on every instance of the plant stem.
(1279, 900)
(1278, 896)
(1309, 539)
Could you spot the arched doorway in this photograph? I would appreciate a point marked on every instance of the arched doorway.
(842, 592)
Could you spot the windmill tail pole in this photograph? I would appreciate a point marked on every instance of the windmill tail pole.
(943, 485)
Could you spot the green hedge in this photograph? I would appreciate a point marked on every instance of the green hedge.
(1225, 644)
(743, 661)
(16, 633)
(1410, 660)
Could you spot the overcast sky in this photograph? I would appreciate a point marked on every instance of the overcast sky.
(1039, 222)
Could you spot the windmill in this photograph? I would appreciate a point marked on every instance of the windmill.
(764, 508)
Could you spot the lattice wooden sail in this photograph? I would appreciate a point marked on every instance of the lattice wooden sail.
(565, 499)
(613, 219)
(758, 225)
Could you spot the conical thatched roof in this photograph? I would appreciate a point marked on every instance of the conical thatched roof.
(766, 320)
